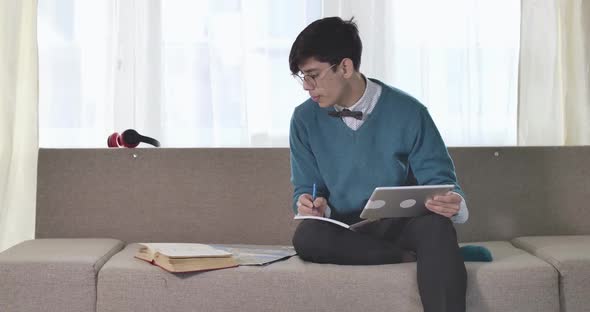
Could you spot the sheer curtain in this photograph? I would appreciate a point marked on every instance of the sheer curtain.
(18, 121)
(191, 73)
(555, 73)
(456, 57)
(215, 73)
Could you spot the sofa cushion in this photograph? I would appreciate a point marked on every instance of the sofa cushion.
(514, 281)
(570, 255)
(53, 274)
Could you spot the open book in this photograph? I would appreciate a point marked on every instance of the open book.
(351, 227)
(180, 257)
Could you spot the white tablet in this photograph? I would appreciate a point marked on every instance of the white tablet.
(401, 201)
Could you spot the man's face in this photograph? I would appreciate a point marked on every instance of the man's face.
(327, 83)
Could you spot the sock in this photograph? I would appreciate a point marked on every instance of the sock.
(476, 253)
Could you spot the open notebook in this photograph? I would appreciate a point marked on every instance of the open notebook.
(351, 227)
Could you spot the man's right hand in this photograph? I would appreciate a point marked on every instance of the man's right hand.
(306, 206)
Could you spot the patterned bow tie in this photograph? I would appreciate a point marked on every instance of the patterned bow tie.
(347, 113)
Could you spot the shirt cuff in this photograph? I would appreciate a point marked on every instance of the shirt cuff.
(327, 212)
(463, 214)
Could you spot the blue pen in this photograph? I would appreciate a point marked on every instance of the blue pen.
(313, 195)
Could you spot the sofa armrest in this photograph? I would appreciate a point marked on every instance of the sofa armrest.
(53, 274)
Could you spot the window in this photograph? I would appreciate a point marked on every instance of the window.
(214, 73)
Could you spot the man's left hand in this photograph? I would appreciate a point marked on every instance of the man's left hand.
(446, 205)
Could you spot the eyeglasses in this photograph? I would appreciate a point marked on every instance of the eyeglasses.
(312, 80)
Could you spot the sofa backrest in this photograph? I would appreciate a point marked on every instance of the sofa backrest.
(166, 195)
(518, 191)
(243, 195)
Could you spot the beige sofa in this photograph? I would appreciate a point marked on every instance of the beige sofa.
(529, 205)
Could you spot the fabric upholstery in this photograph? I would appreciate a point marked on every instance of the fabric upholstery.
(515, 281)
(570, 255)
(167, 195)
(51, 275)
(232, 195)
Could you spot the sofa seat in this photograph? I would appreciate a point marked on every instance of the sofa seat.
(570, 255)
(514, 281)
(53, 274)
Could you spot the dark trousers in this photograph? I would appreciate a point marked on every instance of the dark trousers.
(442, 279)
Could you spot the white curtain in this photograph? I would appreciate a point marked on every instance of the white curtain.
(215, 73)
(454, 56)
(18, 120)
(190, 73)
(554, 83)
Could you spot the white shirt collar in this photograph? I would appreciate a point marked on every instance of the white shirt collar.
(364, 103)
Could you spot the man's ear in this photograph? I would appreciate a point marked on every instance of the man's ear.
(347, 67)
